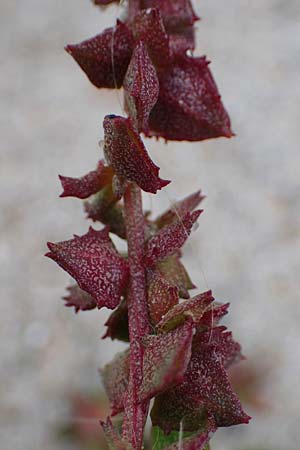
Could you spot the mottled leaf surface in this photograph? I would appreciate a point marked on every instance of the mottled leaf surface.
(95, 264)
(189, 106)
(87, 185)
(194, 307)
(205, 390)
(161, 295)
(79, 299)
(103, 208)
(148, 26)
(179, 209)
(174, 272)
(117, 324)
(212, 317)
(126, 153)
(228, 350)
(114, 441)
(115, 377)
(175, 13)
(104, 68)
(170, 238)
(181, 40)
(141, 86)
(165, 360)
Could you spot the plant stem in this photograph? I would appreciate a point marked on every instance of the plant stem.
(135, 414)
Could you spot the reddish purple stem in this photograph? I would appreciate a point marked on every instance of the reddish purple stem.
(135, 414)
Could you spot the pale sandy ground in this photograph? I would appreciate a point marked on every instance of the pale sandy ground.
(247, 243)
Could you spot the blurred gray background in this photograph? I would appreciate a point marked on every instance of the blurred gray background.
(247, 242)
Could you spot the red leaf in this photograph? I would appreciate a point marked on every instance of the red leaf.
(165, 360)
(126, 153)
(175, 13)
(205, 390)
(181, 40)
(161, 296)
(115, 377)
(148, 27)
(179, 209)
(103, 208)
(227, 349)
(115, 442)
(212, 317)
(117, 324)
(95, 264)
(170, 238)
(141, 86)
(189, 106)
(81, 300)
(174, 272)
(194, 307)
(95, 56)
(87, 185)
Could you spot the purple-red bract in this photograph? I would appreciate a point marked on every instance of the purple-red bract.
(105, 57)
(126, 153)
(189, 106)
(141, 87)
(170, 238)
(161, 295)
(87, 185)
(95, 264)
(79, 299)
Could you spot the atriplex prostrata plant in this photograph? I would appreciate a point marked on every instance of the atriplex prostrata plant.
(178, 353)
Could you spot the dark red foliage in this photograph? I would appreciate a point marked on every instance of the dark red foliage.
(141, 87)
(126, 153)
(181, 40)
(205, 390)
(161, 295)
(117, 324)
(113, 438)
(194, 307)
(148, 27)
(79, 299)
(177, 353)
(189, 106)
(179, 209)
(95, 56)
(174, 272)
(115, 377)
(104, 208)
(87, 185)
(175, 13)
(95, 264)
(166, 358)
(170, 238)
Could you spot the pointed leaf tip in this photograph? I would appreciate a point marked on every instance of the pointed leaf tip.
(141, 86)
(170, 238)
(189, 106)
(95, 56)
(79, 299)
(126, 153)
(87, 185)
(95, 264)
(175, 13)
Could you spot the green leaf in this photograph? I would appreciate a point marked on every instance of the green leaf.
(161, 440)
